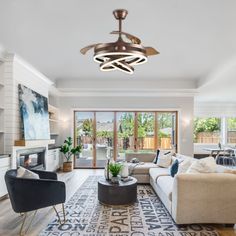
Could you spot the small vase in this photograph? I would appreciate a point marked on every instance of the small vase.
(124, 173)
(115, 180)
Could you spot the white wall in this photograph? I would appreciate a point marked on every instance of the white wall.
(183, 104)
(214, 109)
(17, 71)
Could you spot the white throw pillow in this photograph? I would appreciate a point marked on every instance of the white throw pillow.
(184, 165)
(25, 173)
(205, 165)
(164, 160)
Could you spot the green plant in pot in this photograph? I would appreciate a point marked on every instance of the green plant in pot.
(68, 150)
(115, 169)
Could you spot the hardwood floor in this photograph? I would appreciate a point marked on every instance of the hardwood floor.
(10, 221)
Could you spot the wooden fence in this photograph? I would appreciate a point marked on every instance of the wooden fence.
(208, 137)
(214, 137)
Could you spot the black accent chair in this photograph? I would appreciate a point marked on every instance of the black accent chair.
(32, 194)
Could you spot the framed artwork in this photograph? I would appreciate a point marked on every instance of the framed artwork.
(34, 114)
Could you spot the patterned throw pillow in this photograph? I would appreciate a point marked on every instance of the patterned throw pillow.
(174, 168)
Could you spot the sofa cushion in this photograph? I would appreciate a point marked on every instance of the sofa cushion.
(166, 184)
(157, 172)
(141, 168)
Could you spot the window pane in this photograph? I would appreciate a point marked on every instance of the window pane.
(84, 136)
(231, 130)
(207, 130)
(104, 137)
(125, 133)
(146, 127)
(166, 130)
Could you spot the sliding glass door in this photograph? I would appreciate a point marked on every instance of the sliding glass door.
(84, 135)
(166, 131)
(104, 137)
(106, 134)
(146, 131)
(125, 133)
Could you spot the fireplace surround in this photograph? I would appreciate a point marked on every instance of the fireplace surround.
(31, 158)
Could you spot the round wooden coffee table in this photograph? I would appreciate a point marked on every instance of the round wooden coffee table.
(124, 193)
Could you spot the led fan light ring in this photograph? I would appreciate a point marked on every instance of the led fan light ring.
(124, 60)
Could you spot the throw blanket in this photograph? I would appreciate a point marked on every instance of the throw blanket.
(132, 167)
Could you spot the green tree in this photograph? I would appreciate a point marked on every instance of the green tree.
(231, 123)
(126, 128)
(164, 120)
(88, 127)
(145, 124)
(206, 125)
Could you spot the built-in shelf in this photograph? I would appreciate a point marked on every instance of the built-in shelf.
(53, 120)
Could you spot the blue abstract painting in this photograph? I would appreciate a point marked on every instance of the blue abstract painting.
(34, 114)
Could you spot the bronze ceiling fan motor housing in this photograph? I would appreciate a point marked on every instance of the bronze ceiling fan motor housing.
(120, 14)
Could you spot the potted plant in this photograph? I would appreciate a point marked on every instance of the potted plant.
(115, 169)
(68, 150)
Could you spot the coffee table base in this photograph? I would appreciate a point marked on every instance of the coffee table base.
(117, 194)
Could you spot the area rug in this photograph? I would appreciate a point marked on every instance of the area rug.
(147, 217)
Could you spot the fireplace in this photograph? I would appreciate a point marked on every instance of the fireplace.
(32, 158)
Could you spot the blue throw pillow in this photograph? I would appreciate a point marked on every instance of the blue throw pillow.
(156, 157)
(174, 168)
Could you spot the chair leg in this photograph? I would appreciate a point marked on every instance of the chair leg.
(22, 232)
(22, 225)
(31, 221)
(58, 216)
(64, 214)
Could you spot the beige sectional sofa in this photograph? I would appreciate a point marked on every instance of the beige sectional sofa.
(192, 198)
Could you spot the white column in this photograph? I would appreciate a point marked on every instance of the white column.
(223, 131)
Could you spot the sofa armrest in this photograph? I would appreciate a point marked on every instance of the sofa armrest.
(204, 198)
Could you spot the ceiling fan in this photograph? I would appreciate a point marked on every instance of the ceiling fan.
(120, 55)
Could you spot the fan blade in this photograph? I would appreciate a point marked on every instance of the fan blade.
(131, 37)
(86, 49)
(151, 51)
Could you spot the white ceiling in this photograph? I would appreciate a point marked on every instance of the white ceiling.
(195, 38)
